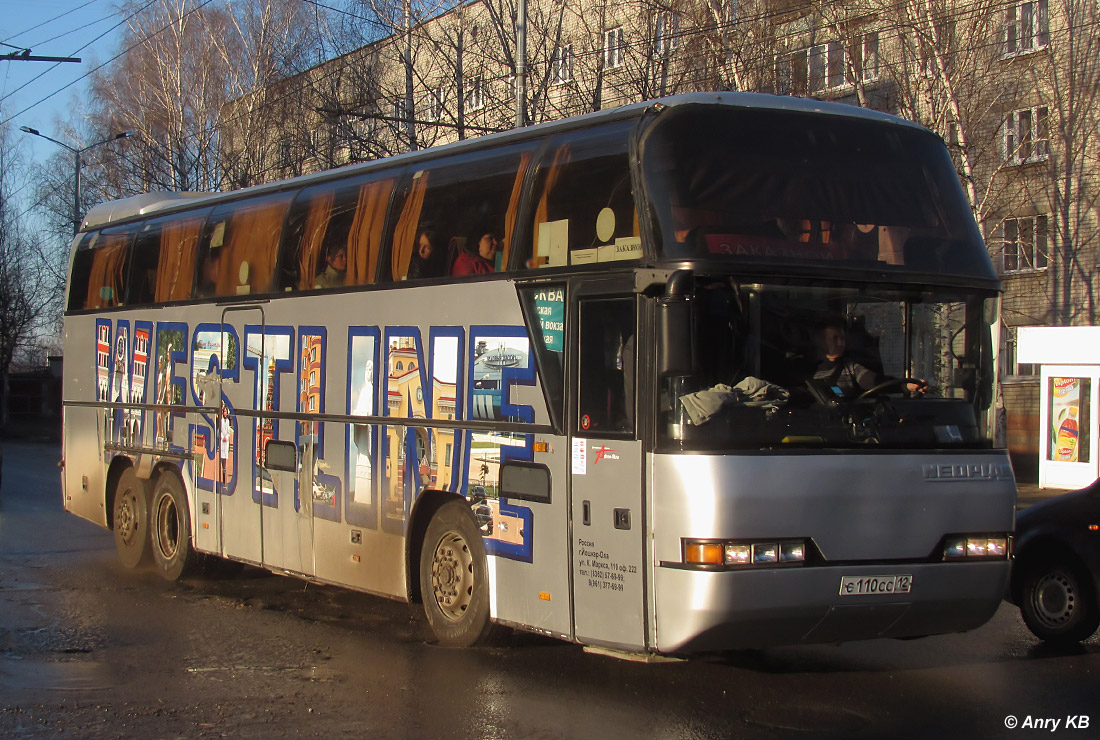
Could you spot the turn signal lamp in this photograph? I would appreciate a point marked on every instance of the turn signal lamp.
(744, 554)
(703, 553)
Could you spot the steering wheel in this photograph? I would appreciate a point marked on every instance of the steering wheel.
(888, 383)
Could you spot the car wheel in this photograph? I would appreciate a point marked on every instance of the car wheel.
(1057, 601)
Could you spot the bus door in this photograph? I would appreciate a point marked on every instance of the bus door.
(606, 475)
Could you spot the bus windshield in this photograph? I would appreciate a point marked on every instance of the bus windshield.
(785, 366)
(764, 186)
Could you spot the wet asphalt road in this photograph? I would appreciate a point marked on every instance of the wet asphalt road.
(91, 650)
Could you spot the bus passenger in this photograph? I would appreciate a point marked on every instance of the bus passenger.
(336, 270)
(478, 254)
(208, 279)
(427, 258)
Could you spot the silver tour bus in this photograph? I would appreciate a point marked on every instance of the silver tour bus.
(704, 373)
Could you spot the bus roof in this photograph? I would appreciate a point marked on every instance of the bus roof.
(151, 203)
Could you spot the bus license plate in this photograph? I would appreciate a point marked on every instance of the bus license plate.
(874, 585)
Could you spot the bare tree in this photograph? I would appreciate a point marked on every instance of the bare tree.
(27, 294)
(263, 45)
(1069, 100)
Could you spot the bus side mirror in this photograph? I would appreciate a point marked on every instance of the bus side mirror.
(675, 335)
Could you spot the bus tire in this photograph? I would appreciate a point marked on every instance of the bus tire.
(454, 578)
(130, 520)
(1057, 601)
(170, 529)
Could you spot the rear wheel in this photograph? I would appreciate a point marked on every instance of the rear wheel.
(131, 520)
(170, 529)
(454, 578)
(1057, 601)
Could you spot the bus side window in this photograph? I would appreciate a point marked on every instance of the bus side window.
(178, 245)
(238, 249)
(327, 219)
(143, 265)
(583, 201)
(105, 260)
(447, 202)
(82, 271)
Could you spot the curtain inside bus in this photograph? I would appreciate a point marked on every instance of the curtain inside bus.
(105, 283)
(513, 206)
(405, 232)
(320, 209)
(562, 157)
(365, 237)
(179, 241)
(247, 261)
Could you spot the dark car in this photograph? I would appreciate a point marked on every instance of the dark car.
(1056, 569)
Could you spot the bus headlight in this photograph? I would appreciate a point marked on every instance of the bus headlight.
(983, 547)
(738, 554)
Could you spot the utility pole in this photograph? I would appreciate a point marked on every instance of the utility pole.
(521, 63)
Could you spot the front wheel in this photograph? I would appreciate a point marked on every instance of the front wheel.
(130, 518)
(170, 529)
(454, 578)
(1057, 602)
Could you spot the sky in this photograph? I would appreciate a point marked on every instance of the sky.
(40, 94)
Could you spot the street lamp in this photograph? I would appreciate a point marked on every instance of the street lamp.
(76, 161)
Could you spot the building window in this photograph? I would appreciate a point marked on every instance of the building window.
(666, 32)
(790, 73)
(435, 104)
(400, 111)
(819, 68)
(867, 66)
(562, 63)
(1025, 244)
(613, 48)
(1009, 365)
(1027, 135)
(1027, 27)
(475, 93)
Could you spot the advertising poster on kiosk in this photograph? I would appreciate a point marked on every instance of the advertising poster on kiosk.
(1068, 397)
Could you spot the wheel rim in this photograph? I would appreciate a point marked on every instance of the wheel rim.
(168, 528)
(453, 576)
(1054, 599)
(126, 520)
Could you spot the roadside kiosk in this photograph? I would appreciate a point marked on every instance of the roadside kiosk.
(1069, 362)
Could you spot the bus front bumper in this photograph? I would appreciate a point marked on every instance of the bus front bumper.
(699, 611)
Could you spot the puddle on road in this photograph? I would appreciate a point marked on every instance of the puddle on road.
(76, 675)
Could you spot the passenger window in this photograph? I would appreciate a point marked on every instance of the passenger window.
(179, 244)
(81, 271)
(334, 233)
(584, 201)
(100, 269)
(143, 265)
(238, 248)
(457, 216)
(164, 259)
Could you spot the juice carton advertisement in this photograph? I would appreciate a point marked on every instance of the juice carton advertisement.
(1065, 416)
